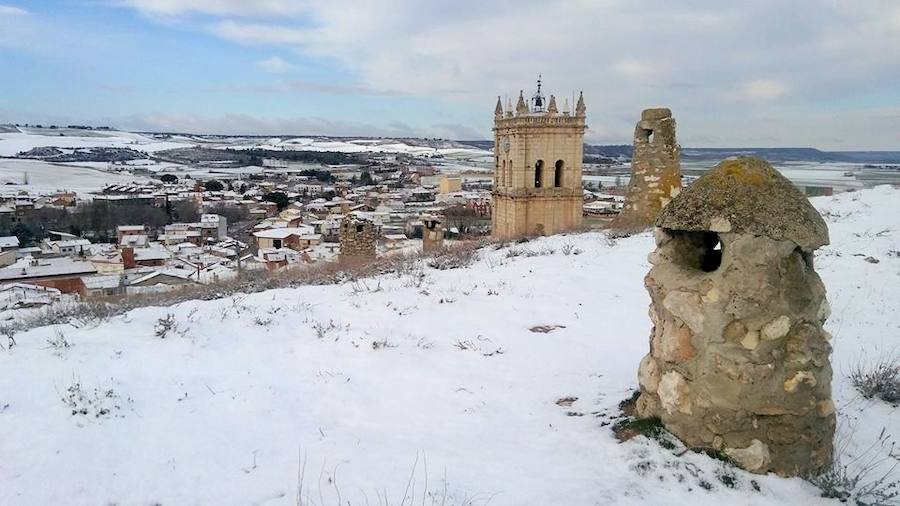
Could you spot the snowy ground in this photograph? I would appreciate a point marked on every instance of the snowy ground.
(434, 379)
(48, 178)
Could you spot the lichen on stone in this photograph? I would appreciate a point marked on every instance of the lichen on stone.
(753, 198)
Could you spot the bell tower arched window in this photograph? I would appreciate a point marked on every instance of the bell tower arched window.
(558, 173)
(538, 173)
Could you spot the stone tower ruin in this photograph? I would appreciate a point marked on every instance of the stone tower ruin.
(538, 152)
(655, 170)
(357, 237)
(739, 359)
(432, 233)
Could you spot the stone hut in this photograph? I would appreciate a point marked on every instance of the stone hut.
(739, 360)
(357, 236)
(432, 233)
(655, 170)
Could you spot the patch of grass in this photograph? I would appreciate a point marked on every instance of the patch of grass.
(714, 454)
(651, 428)
(626, 406)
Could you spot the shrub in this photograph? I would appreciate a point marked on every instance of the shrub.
(279, 198)
(569, 249)
(878, 380)
(213, 185)
(453, 257)
(97, 402)
(58, 342)
(165, 325)
(862, 480)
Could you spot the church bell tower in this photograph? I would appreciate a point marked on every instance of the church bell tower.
(538, 152)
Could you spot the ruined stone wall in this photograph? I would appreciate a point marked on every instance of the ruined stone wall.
(357, 238)
(432, 234)
(655, 169)
(739, 358)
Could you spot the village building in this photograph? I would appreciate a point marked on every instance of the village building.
(110, 285)
(62, 273)
(450, 184)
(14, 296)
(157, 281)
(8, 243)
(123, 231)
(151, 257)
(295, 238)
(537, 167)
(276, 258)
(109, 262)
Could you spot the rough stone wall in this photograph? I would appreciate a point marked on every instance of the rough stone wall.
(739, 358)
(357, 237)
(432, 234)
(513, 217)
(655, 170)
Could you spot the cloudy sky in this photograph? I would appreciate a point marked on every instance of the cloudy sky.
(821, 73)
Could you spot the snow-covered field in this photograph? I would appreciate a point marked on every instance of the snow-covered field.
(12, 143)
(433, 379)
(46, 177)
(15, 142)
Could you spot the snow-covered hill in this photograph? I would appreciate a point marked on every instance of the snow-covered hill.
(448, 382)
(23, 139)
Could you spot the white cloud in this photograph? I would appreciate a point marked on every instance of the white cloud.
(760, 90)
(625, 55)
(633, 69)
(258, 34)
(10, 10)
(275, 65)
(254, 8)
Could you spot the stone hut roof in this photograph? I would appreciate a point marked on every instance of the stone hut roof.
(746, 195)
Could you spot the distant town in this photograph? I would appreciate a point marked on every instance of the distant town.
(174, 210)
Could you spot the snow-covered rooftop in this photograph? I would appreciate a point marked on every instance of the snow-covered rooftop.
(284, 233)
(10, 241)
(29, 268)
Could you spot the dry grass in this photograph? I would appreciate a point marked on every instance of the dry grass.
(878, 380)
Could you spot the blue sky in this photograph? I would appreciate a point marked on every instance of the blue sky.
(765, 73)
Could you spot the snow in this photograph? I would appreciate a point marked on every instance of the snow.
(48, 178)
(384, 381)
(16, 142)
(12, 143)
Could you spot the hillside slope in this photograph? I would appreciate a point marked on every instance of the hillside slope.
(427, 383)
